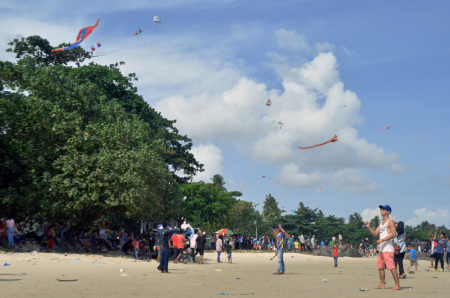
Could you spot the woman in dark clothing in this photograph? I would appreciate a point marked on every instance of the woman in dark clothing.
(164, 260)
(400, 241)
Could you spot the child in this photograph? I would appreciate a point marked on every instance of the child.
(296, 244)
(228, 248)
(44, 244)
(335, 254)
(413, 258)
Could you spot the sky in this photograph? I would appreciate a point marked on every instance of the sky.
(345, 68)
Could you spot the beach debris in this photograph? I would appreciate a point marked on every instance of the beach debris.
(67, 279)
(223, 294)
(411, 272)
(77, 259)
(238, 278)
(363, 290)
(217, 270)
(121, 270)
(324, 280)
(6, 264)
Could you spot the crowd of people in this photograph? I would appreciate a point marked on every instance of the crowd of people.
(183, 246)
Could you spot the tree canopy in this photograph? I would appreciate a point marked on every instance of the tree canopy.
(79, 142)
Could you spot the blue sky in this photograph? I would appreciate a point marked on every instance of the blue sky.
(330, 67)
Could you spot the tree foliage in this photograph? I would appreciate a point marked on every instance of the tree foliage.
(208, 206)
(80, 142)
(270, 208)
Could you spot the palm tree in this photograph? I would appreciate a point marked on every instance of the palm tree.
(219, 182)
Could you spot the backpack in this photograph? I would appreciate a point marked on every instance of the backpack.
(397, 249)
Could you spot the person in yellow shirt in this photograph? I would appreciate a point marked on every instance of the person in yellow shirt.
(296, 245)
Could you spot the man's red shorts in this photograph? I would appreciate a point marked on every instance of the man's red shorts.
(386, 258)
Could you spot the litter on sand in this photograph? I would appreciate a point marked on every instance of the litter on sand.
(363, 290)
(6, 264)
(224, 294)
(324, 280)
(67, 279)
(217, 270)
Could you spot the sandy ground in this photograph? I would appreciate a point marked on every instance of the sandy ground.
(114, 275)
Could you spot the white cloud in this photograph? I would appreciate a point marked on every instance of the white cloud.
(351, 180)
(289, 39)
(324, 47)
(211, 158)
(367, 214)
(425, 214)
(397, 168)
(290, 175)
(314, 106)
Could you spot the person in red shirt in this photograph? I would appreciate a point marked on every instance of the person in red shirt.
(335, 254)
(175, 247)
(180, 246)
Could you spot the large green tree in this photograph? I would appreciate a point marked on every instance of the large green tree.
(207, 205)
(80, 143)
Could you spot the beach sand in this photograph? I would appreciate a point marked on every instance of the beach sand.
(99, 275)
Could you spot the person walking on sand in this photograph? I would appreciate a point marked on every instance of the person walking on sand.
(439, 253)
(219, 244)
(200, 246)
(387, 233)
(413, 258)
(228, 249)
(400, 241)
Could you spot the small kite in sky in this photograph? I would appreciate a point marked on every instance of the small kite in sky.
(263, 177)
(386, 127)
(319, 190)
(156, 19)
(278, 124)
(332, 140)
(84, 32)
(137, 32)
(268, 102)
(98, 45)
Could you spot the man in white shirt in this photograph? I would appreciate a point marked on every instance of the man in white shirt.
(387, 233)
(192, 241)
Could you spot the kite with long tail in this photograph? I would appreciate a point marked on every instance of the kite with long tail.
(84, 32)
(332, 140)
(386, 127)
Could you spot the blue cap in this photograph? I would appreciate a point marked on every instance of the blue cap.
(386, 207)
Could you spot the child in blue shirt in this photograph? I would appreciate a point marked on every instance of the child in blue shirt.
(413, 258)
